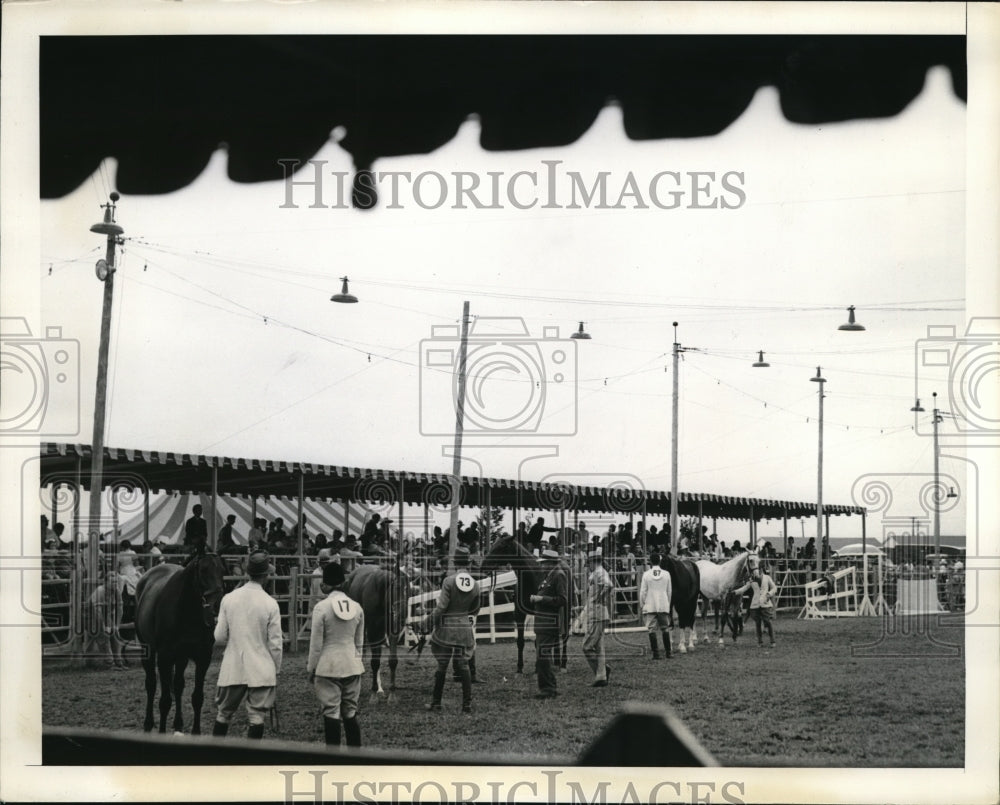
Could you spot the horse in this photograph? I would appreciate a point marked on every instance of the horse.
(530, 575)
(685, 583)
(384, 598)
(719, 580)
(175, 612)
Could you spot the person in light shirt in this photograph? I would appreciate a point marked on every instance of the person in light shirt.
(597, 615)
(335, 667)
(762, 604)
(655, 595)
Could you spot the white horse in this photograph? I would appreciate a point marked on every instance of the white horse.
(718, 580)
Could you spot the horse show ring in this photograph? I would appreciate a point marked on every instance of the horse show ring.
(846, 691)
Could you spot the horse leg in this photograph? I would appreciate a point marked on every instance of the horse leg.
(377, 668)
(519, 625)
(201, 664)
(166, 666)
(149, 666)
(675, 625)
(393, 660)
(179, 670)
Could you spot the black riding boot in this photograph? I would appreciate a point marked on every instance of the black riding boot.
(666, 642)
(654, 646)
(255, 731)
(438, 690)
(472, 669)
(466, 690)
(220, 729)
(331, 726)
(352, 731)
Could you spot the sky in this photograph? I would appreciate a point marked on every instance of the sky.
(225, 341)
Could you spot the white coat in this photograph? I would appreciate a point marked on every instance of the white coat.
(655, 591)
(250, 626)
(337, 637)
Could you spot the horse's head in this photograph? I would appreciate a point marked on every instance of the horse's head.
(752, 566)
(500, 554)
(206, 573)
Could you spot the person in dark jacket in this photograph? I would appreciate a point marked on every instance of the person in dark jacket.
(196, 531)
(550, 603)
(453, 624)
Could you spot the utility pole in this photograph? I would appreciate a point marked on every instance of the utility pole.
(105, 270)
(677, 349)
(820, 536)
(456, 471)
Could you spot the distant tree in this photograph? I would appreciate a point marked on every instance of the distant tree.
(495, 528)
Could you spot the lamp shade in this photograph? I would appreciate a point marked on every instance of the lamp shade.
(344, 297)
(852, 325)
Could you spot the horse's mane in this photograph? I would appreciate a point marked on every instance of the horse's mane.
(518, 551)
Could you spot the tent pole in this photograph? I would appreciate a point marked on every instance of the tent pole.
(213, 533)
(145, 516)
(298, 514)
(402, 492)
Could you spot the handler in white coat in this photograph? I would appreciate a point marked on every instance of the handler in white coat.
(334, 665)
(654, 602)
(250, 626)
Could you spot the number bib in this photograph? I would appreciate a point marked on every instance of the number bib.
(656, 572)
(345, 608)
(464, 582)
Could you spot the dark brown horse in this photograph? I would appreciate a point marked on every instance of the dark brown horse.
(530, 575)
(685, 581)
(175, 614)
(384, 598)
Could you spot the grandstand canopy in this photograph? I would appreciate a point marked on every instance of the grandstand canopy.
(158, 471)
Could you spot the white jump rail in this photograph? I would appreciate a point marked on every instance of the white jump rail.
(844, 590)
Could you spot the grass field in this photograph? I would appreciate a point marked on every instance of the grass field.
(854, 692)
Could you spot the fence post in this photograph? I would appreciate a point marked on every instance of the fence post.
(493, 616)
(293, 611)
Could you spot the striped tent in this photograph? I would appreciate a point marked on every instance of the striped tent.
(167, 514)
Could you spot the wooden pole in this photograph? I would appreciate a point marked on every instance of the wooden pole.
(487, 538)
(427, 521)
(54, 501)
(402, 492)
(299, 505)
(456, 471)
(784, 521)
(100, 409)
(145, 516)
(347, 518)
(213, 526)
